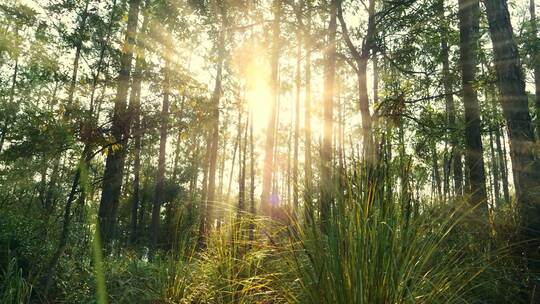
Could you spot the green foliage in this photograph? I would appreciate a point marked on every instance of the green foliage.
(14, 287)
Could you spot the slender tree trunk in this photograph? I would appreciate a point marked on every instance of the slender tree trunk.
(75, 68)
(135, 100)
(211, 199)
(7, 120)
(361, 57)
(268, 169)
(536, 63)
(64, 234)
(455, 155)
(526, 166)
(436, 172)
(495, 170)
(160, 179)
(328, 104)
(298, 84)
(114, 166)
(308, 175)
(252, 209)
(242, 172)
(501, 154)
(469, 16)
(236, 143)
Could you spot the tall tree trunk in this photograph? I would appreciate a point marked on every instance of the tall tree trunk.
(536, 62)
(160, 179)
(361, 58)
(298, 84)
(114, 166)
(328, 104)
(455, 154)
(75, 68)
(308, 175)
(211, 198)
(469, 16)
(252, 209)
(135, 100)
(526, 166)
(242, 171)
(236, 143)
(64, 234)
(268, 169)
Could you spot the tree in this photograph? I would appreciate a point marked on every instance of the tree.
(328, 104)
(525, 164)
(268, 169)
(469, 16)
(114, 166)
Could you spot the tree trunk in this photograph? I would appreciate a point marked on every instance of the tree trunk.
(252, 209)
(501, 154)
(308, 175)
(455, 155)
(298, 84)
(536, 63)
(469, 15)
(114, 166)
(361, 58)
(328, 104)
(211, 199)
(268, 169)
(495, 170)
(160, 179)
(526, 167)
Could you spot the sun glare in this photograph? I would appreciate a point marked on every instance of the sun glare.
(260, 104)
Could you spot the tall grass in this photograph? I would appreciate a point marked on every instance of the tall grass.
(13, 286)
(375, 250)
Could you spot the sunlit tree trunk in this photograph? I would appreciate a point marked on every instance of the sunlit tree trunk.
(361, 58)
(328, 104)
(252, 209)
(114, 166)
(268, 168)
(469, 16)
(308, 175)
(216, 96)
(525, 164)
(298, 85)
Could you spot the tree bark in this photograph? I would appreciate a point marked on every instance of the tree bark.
(298, 84)
(501, 154)
(328, 104)
(469, 16)
(160, 179)
(268, 168)
(361, 58)
(455, 155)
(114, 166)
(211, 199)
(536, 63)
(308, 175)
(526, 166)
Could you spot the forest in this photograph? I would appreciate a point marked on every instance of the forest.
(269, 151)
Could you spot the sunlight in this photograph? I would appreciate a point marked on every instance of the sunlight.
(259, 101)
(254, 69)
